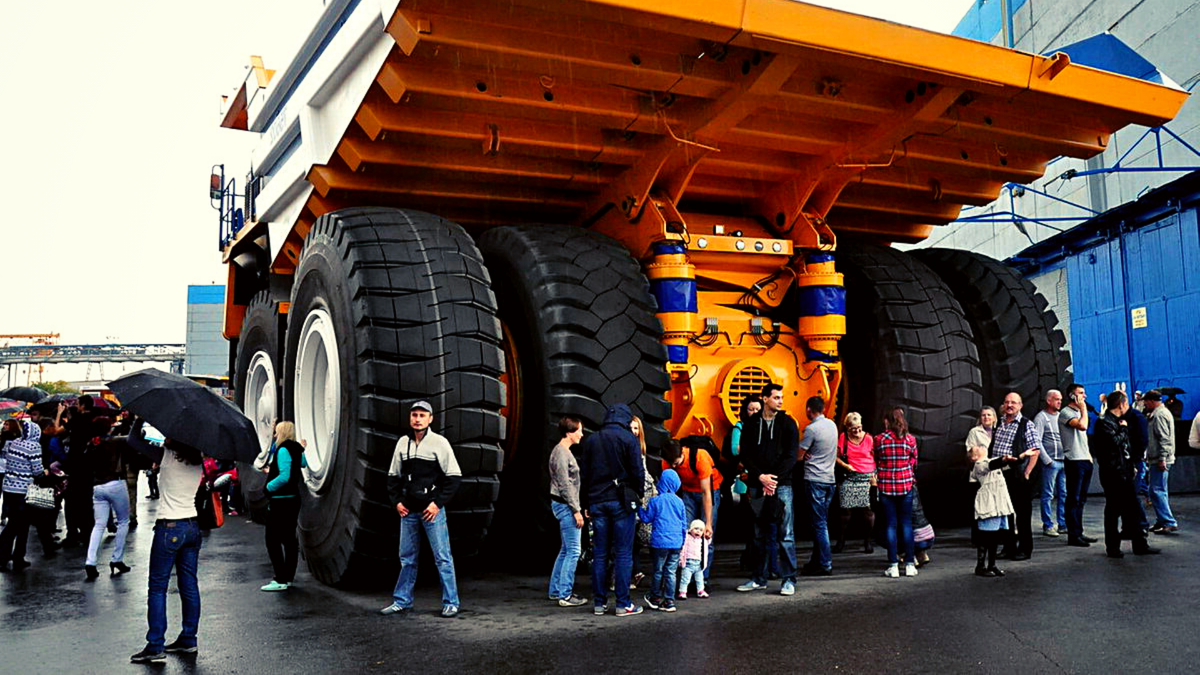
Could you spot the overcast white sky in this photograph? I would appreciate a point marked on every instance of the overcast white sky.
(112, 113)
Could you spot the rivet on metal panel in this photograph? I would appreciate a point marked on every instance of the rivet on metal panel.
(920, 89)
(909, 96)
(424, 27)
(635, 59)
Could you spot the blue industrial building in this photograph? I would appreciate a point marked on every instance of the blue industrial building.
(207, 352)
(1133, 306)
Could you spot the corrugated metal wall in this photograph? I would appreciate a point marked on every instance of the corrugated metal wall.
(1135, 309)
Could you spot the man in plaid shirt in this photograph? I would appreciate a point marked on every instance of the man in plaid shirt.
(1015, 434)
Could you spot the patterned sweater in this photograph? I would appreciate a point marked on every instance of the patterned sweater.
(24, 459)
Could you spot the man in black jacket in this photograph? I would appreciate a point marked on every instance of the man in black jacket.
(1118, 468)
(610, 487)
(422, 479)
(770, 443)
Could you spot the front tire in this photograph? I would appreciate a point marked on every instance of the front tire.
(389, 307)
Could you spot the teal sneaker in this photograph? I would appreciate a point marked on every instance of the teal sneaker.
(274, 586)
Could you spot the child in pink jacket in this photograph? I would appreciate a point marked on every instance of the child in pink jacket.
(693, 558)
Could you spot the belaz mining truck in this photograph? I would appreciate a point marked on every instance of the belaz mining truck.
(526, 209)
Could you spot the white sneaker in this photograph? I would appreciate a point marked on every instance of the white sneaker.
(751, 585)
(1049, 531)
(910, 570)
(892, 571)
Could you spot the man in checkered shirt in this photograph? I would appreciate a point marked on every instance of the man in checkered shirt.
(1014, 434)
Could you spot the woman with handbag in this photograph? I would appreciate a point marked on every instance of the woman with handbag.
(856, 459)
(24, 462)
(105, 458)
(283, 508)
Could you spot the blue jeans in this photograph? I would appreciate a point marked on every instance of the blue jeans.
(665, 562)
(613, 527)
(897, 510)
(1054, 488)
(784, 535)
(819, 497)
(1079, 478)
(410, 545)
(176, 545)
(693, 509)
(1159, 497)
(691, 572)
(111, 495)
(562, 578)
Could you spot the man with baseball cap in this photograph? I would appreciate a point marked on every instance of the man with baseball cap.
(422, 479)
(1160, 455)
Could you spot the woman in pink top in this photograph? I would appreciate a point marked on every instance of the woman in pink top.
(856, 459)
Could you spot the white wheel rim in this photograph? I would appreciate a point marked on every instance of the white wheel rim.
(260, 404)
(318, 396)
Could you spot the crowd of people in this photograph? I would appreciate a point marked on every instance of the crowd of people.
(602, 485)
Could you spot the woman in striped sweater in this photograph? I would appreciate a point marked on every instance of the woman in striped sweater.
(24, 461)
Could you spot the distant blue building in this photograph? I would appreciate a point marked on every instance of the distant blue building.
(207, 350)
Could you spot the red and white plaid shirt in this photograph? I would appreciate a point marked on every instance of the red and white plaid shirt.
(895, 459)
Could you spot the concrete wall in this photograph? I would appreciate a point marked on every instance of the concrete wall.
(1167, 33)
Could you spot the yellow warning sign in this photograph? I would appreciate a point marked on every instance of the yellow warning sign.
(1139, 317)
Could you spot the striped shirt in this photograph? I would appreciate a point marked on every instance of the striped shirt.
(1006, 433)
(24, 459)
(895, 459)
(1048, 436)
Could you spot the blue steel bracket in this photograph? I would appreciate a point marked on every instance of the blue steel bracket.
(1117, 168)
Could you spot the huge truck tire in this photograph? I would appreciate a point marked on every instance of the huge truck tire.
(582, 333)
(389, 307)
(256, 385)
(909, 344)
(1020, 346)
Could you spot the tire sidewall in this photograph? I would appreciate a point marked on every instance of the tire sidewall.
(320, 284)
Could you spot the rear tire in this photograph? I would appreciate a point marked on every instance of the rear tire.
(1020, 346)
(910, 345)
(389, 307)
(582, 319)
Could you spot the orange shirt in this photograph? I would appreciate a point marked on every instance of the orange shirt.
(704, 466)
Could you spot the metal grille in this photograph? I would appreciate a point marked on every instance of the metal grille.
(744, 382)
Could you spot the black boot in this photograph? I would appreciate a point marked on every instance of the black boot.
(868, 546)
(992, 569)
(981, 566)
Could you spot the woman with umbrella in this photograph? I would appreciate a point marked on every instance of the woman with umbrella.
(191, 417)
(24, 461)
(176, 545)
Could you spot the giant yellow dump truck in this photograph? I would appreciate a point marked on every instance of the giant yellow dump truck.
(526, 209)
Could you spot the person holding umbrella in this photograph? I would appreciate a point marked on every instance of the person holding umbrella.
(190, 417)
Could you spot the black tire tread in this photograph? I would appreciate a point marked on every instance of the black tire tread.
(925, 358)
(1020, 347)
(425, 327)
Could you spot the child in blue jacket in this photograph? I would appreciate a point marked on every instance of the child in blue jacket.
(667, 518)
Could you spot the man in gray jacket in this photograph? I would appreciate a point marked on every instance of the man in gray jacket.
(1160, 455)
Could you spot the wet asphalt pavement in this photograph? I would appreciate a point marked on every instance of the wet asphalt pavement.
(1066, 610)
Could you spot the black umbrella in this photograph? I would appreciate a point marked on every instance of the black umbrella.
(1165, 391)
(27, 394)
(188, 412)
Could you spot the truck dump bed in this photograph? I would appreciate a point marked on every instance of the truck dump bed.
(547, 111)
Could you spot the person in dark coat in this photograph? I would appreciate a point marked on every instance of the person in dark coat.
(1118, 469)
(770, 443)
(1139, 437)
(611, 478)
